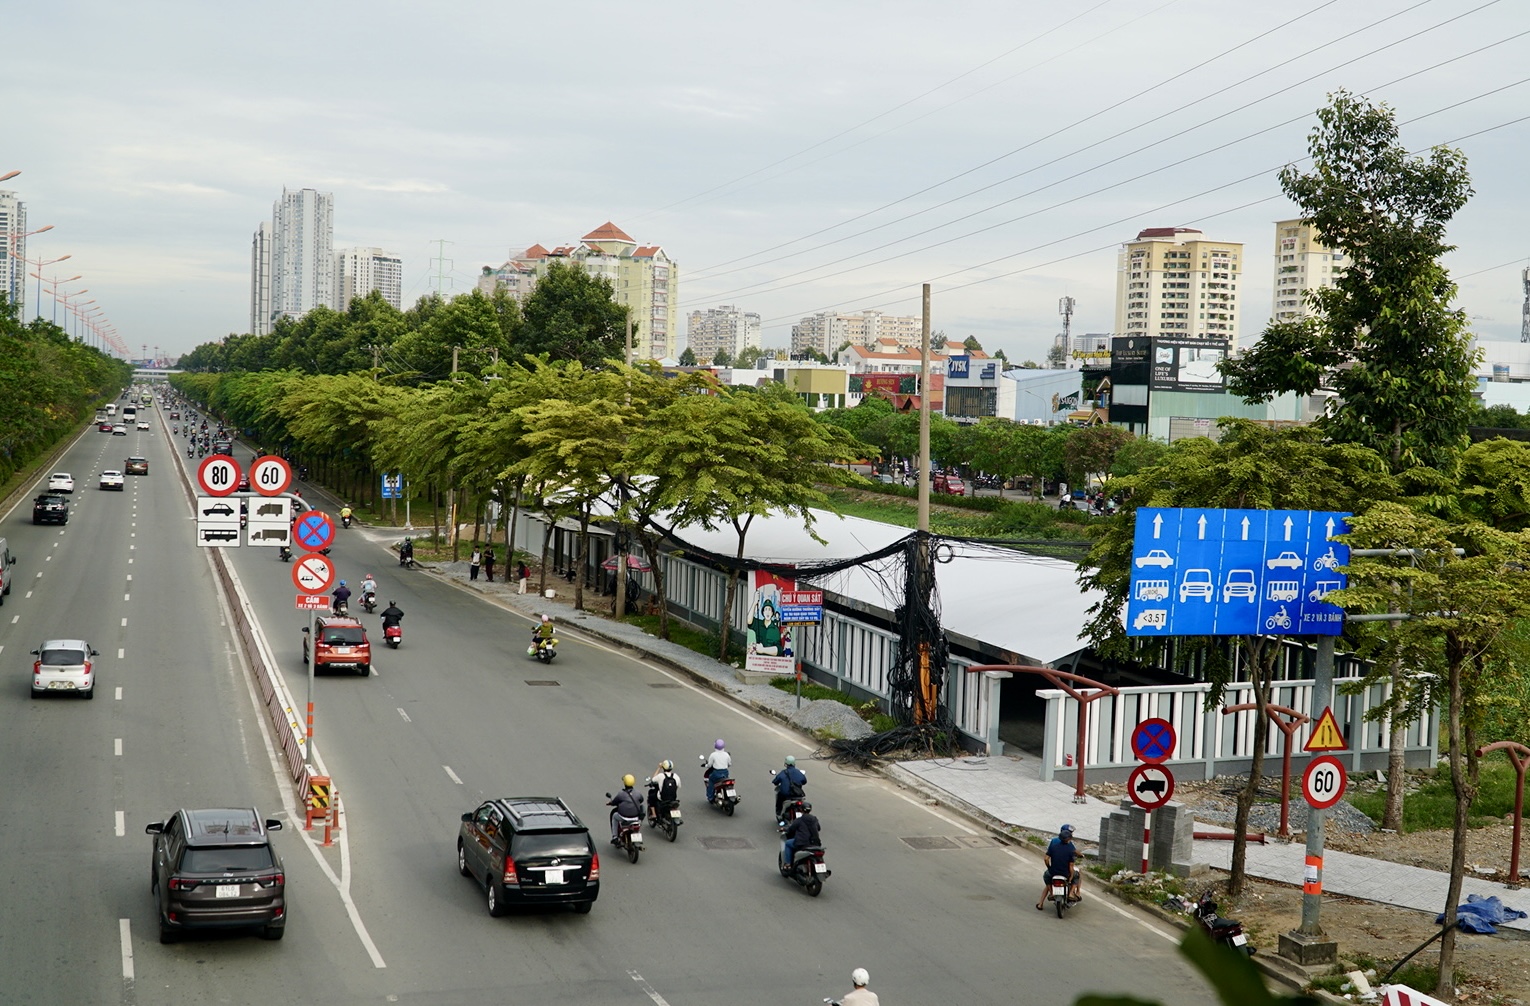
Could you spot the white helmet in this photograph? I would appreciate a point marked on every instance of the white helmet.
(859, 978)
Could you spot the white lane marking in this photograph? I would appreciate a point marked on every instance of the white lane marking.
(124, 623)
(46, 558)
(28, 594)
(648, 990)
(405, 716)
(126, 596)
(121, 824)
(39, 574)
(125, 936)
(452, 775)
(130, 562)
(131, 547)
(120, 652)
(132, 534)
(130, 578)
(117, 746)
(119, 693)
(15, 619)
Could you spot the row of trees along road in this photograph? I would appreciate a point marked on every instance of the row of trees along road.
(1393, 448)
(49, 385)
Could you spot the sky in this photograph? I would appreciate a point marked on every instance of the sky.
(790, 157)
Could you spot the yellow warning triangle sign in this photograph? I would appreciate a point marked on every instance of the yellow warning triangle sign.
(1326, 736)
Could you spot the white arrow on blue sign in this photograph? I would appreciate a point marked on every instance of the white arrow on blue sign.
(1206, 572)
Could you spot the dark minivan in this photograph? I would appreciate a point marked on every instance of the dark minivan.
(529, 850)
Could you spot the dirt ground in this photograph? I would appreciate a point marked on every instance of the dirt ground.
(1489, 969)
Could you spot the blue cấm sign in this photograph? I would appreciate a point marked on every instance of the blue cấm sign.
(1204, 572)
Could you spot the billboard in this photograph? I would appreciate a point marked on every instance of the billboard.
(958, 366)
(769, 643)
(884, 384)
(1188, 365)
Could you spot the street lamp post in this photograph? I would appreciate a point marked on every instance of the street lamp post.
(39, 264)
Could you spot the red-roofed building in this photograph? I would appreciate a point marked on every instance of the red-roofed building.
(642, 277)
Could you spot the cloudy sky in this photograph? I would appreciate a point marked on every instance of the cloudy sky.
(792, 157)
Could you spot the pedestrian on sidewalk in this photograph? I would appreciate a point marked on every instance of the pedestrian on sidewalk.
(473, 562)
(522, 574)
(488, 563)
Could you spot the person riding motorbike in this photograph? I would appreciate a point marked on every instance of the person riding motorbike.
(392, 614)
(1062, 860)
(802, 832)
(663, 788)
(789, 783)
(341, 595)
(543, 632)
(345, 515)
(368, 590)
(406, 552)
(860, 995)
(717, 765)
(624, 805)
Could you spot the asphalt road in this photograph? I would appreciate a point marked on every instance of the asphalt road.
(449, 719)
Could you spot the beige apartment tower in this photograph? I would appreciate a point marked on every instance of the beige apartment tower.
(1173, 282)
(1302, 263)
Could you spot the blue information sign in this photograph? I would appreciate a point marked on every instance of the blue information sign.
(1202, 572)
(392, 485)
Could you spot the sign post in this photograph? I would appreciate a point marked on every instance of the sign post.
(314, 531)
(1151, 784)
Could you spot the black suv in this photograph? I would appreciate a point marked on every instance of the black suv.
(217, 868)
(50, 509)
(531, 850)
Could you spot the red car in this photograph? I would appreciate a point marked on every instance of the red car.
(342, 642)
(951, 485)
(104, 427)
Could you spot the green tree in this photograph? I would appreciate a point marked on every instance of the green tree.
(971, 344)
(748, 357)
(687, 357)
(1251, 467)
(1136, 455)
(1498, 417)
(1039, 454)
(1091, 450)
(571, 315)
(1383, 336)
(722, 358)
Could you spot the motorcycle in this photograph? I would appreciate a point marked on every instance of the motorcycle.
(790, 811)
(369, 603)
(340, 609)
(807, 869)
(393, 634)
(629, 835)
(189, 451)
(284, 553)
(724, 792)
(345, 520)
(543, 649)
(667, 815)
(1228, 932)
(1059, 893)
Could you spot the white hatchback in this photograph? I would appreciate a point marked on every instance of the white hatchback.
(63, 665)
(61, 482)
(112, 479)
(142, 425)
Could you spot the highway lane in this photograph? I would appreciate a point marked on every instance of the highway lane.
(172, 725)
(700, 921)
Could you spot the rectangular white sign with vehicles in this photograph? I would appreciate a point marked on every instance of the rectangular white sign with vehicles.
(217, 522)
(270, 521)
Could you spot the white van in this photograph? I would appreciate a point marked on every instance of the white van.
(7, 568)
(111, 408)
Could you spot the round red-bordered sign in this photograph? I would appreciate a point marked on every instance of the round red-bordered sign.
(218, 475)
(270, 475)
(1153, 741)
(313, 574)
(314, 531)
(1324, 782)
(1150, 786)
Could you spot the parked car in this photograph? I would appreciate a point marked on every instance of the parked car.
(340, 642)
(529, 850)
(112, 479)
(50, 508)
(63, 665)
(217, 869)
(951, 485)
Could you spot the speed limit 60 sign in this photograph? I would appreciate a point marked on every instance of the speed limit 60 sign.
(270, 475)
(1324, 782)
(218, 475)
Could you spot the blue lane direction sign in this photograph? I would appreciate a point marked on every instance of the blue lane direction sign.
(1153, 741)
(1207, 572)
(314, 531)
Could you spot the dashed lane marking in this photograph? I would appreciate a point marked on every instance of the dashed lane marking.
(121, 653)
(405, 716)
(119, 693)
(125, 936)
(121, 824)
(452, 775)
(117, 746)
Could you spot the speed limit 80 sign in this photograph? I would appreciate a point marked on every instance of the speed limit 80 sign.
(1324, 782)
(218, 475)
(270, 475)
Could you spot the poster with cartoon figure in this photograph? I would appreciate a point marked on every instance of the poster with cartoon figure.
(769, 643)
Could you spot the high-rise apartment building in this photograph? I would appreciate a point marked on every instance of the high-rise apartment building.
(13, 252)
(721, 329)
(643, 279)
(260, 280)
(359, 271)
(1302, 263)
(1173, 282)
(827, 331)
(302, 252)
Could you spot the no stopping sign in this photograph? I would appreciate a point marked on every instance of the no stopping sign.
(1324, 781)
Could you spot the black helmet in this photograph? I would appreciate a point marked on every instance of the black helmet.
(807, 808)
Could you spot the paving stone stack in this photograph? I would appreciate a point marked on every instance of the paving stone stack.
(1170, 847)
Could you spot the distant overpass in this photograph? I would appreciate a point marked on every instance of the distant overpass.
(153, 373)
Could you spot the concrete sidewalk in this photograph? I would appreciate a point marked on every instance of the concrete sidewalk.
(1007, 792)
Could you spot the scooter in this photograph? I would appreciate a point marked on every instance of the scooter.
(807, 869)
(790, 811)
(724, 792)
(629, 835)
(1228, 932)
(543, 649)
(393, 634)
(341, 609)
(284, 553)
(369, 603)
(345, 520)
(1059, 895)
(667, 813)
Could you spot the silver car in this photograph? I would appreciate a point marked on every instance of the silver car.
(63, 665)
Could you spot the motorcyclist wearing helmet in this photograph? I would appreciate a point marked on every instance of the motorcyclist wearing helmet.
(663, 788)
(406, 552)
(345, 512)
(544, 629)
(1061, 860)
(392, 614)
(718, 765)
(788, 783)
(860, 995)
(624, 805)
(801, 833)
(341, 595)
(368, 587)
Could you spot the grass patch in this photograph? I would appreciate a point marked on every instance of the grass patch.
(705, 643)
(1432, 806)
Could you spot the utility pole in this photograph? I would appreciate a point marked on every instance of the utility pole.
(376, 359)
(621, 532)
(455, 351)
(924, 704)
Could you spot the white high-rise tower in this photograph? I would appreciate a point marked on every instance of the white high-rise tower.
(302, 252)
(13, 251)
